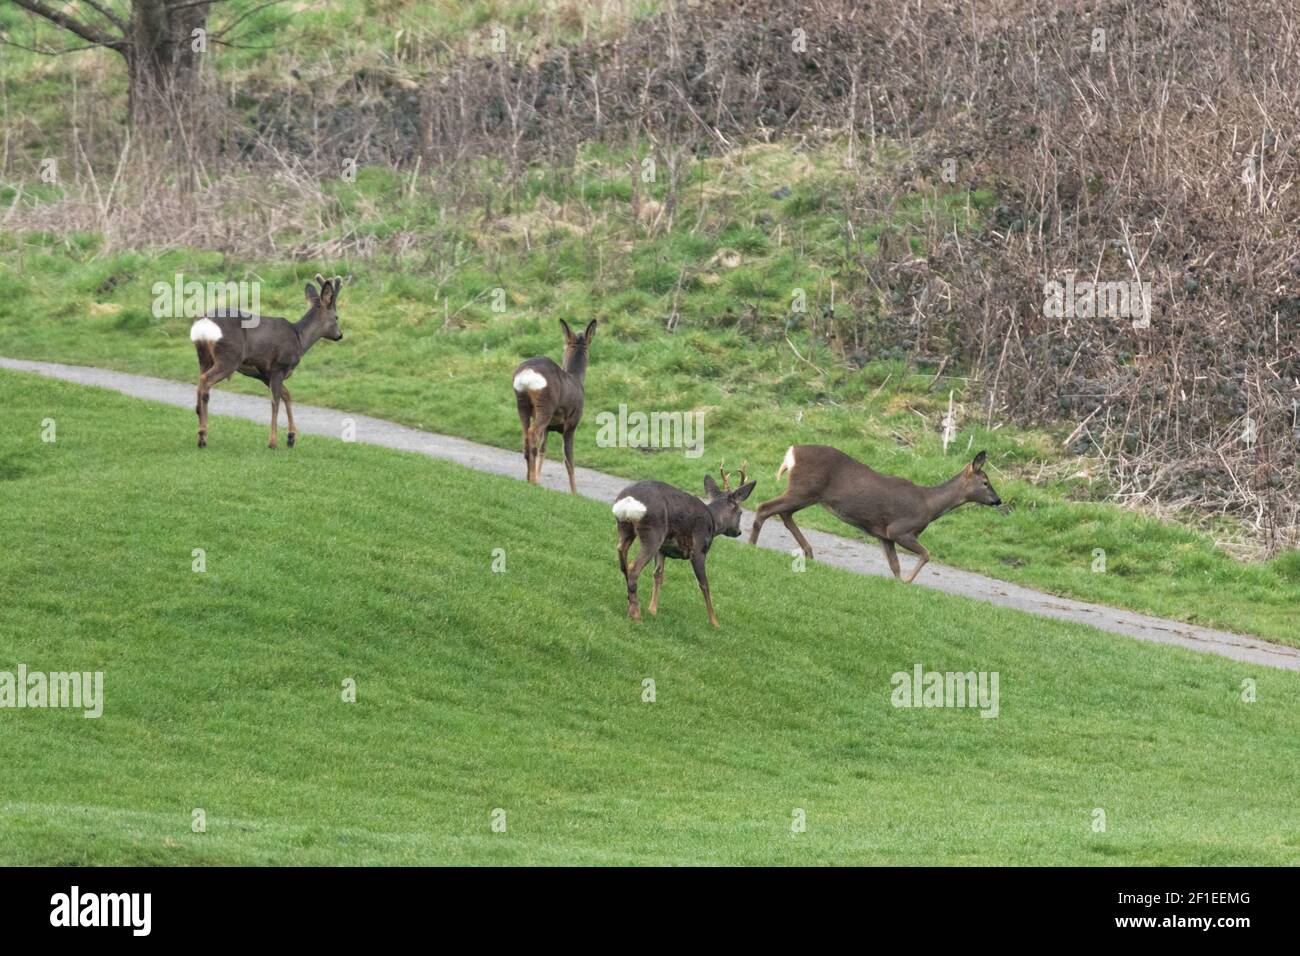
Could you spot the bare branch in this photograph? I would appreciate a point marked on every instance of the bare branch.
(84, 30)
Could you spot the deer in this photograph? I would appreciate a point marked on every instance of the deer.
(672, 523)
(265, 347)
(549, 399)
(892, 510)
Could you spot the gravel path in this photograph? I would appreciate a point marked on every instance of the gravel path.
(854, 555)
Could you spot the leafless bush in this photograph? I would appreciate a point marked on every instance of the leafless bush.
(1166, 158)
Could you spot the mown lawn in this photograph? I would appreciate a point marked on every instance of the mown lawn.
(523, 690)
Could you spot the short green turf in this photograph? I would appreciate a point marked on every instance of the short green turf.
(522, 691)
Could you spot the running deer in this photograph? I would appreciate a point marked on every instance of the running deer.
(674, 524)
(892, 510)
(549, 399)
(265, 347)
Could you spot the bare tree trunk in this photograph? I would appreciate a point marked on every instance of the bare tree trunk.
(161, 57)
(162, 42)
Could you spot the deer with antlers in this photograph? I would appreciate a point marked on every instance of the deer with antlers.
(265, 347)
(672, 523)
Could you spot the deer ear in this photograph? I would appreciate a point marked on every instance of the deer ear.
(568, 332)
(312, 297)
(711, 487)
(591, 331)
(978, 463)
(741, 493)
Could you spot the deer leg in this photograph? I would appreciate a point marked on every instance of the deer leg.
(206, 360)
(200, 409)
(659, 581)
(541, 452)
(538, 447)
(911, 544)
(568, 463)
(787, 518)
(649, 548)
(761, 514)
(275, 413)
(785, 505)
(528, 452)
(697, 562)
(891, 555)
(524, 405)
(215, 374)
(288, 411)
(626, 535)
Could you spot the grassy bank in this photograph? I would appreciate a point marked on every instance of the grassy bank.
(479, 691)
(434, 331)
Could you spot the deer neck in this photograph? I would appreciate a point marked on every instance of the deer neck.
(713, 518)
(945, 497)
(309, 329)
(576, 365)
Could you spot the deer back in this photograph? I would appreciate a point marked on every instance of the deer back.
(879, 504)
(851, 491)
(263, 342)
(657, 508)
(554, 388)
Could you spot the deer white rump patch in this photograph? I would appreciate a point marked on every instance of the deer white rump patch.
(205, 330)
(787, 463)
(529, 381)
(629, 509)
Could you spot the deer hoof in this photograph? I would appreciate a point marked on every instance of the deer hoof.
(271, 445)
(634, 613)
(203, 440)
(293, 437)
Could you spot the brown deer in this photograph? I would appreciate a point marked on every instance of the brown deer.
(674, 524)
(549, 399)
(893, 510)
(265, 347)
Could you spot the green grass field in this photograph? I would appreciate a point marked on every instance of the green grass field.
(523, 690)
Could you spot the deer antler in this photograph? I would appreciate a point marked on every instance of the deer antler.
(726, 477)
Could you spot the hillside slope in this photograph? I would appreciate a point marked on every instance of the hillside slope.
(523, 690)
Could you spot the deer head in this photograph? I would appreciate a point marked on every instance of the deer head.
(724, 503)
(576, 347)
(325, 305)
(977, 487)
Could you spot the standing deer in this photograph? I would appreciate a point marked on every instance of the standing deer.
(549, 399)
(893, 510)
(265, 347)
(674, 524)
